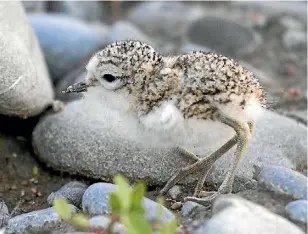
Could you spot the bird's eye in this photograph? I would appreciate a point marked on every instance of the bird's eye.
(109, 78)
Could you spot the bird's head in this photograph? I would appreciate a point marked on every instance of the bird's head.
(120, 64)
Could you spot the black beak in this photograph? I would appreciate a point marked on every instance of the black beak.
(77, 88)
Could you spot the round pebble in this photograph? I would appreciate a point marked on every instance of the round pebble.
(72, 192)
(297, 210)
(188, 207)
(282, 180)
(95, 202)
(231, 214)
(41, 221)
(175, 191)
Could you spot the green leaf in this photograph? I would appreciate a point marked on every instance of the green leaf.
(137, 224)
(168, 228)
(136, 199)
(80, 220)
(115, 203)
(123, 191)
(63, 209)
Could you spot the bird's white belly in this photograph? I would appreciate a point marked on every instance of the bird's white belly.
(164, 117)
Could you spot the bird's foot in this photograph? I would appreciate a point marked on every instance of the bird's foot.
(205, 197)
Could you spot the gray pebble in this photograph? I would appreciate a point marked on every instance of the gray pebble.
(282, 180)
(232, 214)
(95, 202)
(41, 221)
(297, 210)
(72, 192)
(4, 214)
(189, 206)
(175, 191)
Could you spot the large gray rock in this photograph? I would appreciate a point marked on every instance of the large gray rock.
(98, 137)
(232, 214)
(25, 88)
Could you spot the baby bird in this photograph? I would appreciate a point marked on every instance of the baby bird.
(166, 90)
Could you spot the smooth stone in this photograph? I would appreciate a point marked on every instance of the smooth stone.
(161, 19)
(72, 192)
(189, 207)
(41, 221)
(4, 214)
(25, 87)
(123, 30)
(98, 138)
(62, 39)
(95, 202)
(282, 180)
(232, 214)
(101, 221)
(297, 210)
(175, 191)
(294, 39)
(223, 36)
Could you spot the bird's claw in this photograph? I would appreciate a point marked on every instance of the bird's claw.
(206, 198)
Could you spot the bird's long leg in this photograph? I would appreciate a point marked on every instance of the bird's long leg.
(243, 131)
(200, 164)
(242, 135)
(206, 172)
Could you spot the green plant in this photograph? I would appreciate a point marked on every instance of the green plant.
(126, 207)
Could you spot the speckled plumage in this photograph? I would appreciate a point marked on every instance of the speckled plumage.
(164, 90)
(198, 83)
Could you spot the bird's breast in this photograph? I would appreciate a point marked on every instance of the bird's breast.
(164, 117)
